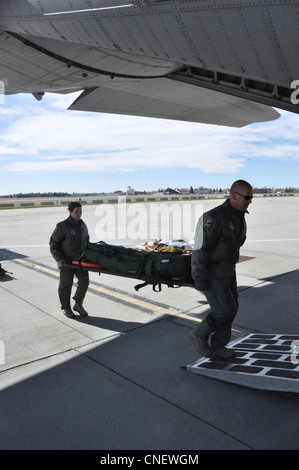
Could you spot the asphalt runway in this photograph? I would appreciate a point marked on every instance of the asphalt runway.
(117, 380)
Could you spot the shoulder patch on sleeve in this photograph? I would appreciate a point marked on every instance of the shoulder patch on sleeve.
(58, 226)
(208, 222)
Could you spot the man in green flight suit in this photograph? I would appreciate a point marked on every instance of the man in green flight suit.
(67, 244)
(220, 233)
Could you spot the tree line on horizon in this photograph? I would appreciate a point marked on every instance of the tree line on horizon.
(66, 194)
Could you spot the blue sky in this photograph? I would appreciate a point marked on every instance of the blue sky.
(44, 147)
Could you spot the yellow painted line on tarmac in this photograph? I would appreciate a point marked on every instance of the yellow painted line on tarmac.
(116, 295)
(37, 266)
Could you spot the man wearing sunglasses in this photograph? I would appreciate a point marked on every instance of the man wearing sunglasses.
(219, 235)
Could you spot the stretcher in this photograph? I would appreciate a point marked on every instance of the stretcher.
(156, 283)
(154, 268)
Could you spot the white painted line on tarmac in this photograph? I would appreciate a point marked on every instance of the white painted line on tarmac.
(275, 240)
(22, 246)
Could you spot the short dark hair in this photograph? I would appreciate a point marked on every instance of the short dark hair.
(239, 185)
(73, 205)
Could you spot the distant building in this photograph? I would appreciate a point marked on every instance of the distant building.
(130, 191)
(262, 190)
(203, 191)
(171, 191)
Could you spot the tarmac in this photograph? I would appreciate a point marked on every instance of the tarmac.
(117, 380)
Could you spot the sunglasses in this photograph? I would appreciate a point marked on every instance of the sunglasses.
(248, 198)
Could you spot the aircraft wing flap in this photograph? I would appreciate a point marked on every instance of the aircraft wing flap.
(168, 99)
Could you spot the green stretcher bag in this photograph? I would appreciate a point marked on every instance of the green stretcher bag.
(156, 268)
(116, 258)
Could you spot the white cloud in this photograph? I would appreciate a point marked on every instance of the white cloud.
(42, 137)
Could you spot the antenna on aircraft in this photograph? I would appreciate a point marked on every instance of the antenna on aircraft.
(38, 96)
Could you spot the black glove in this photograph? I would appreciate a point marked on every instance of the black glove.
(201, 285)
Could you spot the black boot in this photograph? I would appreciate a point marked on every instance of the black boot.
(81, 310)
(200, 336)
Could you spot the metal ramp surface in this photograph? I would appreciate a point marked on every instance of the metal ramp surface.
(263, 361)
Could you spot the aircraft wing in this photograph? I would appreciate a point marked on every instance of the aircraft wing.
(169, 99)
(130, 88)
(189, 60)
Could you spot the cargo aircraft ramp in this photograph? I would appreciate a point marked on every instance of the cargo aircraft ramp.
(263, 361)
